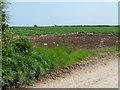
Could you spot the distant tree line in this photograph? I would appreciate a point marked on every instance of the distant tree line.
(82, 25)
(85, 25)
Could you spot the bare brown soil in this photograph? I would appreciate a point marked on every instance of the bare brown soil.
(88, 41)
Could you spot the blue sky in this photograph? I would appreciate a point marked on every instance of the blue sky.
(61, 13)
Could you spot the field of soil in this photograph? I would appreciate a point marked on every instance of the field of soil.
(76, 41)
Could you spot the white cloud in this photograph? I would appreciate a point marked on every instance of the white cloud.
(64, 0)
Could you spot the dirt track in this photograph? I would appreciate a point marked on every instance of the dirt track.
(98, 72)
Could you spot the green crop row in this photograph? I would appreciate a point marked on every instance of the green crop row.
(27, 31)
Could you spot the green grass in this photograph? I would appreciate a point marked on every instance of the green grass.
(60, 57)
(108, 49)
(27, 31)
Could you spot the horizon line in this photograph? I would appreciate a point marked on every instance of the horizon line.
(67, 25)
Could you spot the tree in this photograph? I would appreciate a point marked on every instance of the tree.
(55, 25)
(35, 25)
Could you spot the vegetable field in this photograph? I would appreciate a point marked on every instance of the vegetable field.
(28, 31)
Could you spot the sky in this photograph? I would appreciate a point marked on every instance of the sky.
(64, 0)
(63, 13)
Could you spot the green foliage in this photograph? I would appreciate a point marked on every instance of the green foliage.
(23, 45)
(81, 55)
(63, 30)
(58, 57)
(23, 63)
(109, 49)
(18, 65)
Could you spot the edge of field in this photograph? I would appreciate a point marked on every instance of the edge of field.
(62, 72)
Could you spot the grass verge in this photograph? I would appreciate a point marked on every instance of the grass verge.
(108, 49)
